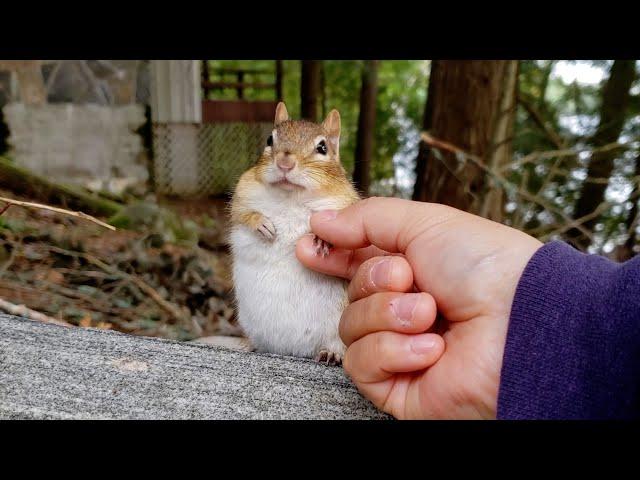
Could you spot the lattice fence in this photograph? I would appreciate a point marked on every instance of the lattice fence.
(204, 159)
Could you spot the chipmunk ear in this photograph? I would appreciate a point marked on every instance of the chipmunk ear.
(331, 125)
(281, 114)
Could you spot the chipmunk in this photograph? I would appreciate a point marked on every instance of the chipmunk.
(282, 306)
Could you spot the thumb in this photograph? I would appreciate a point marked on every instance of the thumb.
(390, 224)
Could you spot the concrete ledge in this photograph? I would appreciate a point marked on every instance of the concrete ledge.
(53, 372)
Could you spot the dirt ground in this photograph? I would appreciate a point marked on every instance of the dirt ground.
(132, 280)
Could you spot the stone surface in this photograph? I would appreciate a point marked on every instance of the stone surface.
(78, 144)
(53, 372)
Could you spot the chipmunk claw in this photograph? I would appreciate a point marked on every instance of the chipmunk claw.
(328, 357)
(267, 230)
(322, 248)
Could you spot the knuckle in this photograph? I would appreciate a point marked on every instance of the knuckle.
(370, 202)
(343, 326)
(347, 361)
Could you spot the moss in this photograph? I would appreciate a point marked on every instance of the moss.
(149, 217)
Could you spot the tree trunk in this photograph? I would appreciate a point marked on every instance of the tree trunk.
(323, 90)
(309, 89)
(279, 79)
(625, 251)
(366, 127)
(470, 104)
(544, 84)
(420, 186)
(613, 109)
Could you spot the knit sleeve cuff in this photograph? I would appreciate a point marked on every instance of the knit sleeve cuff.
(572, 344)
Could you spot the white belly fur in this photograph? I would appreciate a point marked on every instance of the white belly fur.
(283, 307)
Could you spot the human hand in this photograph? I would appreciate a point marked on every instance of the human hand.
(465, 265)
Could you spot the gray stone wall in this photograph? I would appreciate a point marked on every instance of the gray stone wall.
(82, 144)
(86, 132)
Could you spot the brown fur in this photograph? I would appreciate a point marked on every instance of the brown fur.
(239, 214)
(295, 138)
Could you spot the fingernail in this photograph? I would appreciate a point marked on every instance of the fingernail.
(422, 344)
(404, 306)
(381, 273)
(326, 215)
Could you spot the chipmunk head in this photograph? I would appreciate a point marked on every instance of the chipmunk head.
(302, 155)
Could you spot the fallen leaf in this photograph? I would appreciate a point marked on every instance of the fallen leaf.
(55, 276)
(85, 321)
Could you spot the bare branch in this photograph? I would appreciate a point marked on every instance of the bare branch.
(440, 144)
(537, 117)
(557, 230)
(11, 201)
(137, 281)
(535, 156)
(5, 208)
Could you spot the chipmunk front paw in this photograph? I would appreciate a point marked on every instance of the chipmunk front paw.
(328, 357)
(322, 248)
(266, 228)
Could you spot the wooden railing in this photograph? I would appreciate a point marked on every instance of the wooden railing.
(241, 84)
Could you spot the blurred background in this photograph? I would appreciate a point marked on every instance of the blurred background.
(550, 147)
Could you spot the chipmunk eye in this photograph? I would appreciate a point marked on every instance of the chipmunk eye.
(322, 148)
(270, 141)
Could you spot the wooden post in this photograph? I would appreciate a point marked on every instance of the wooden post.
(176, 106)
(175, 91)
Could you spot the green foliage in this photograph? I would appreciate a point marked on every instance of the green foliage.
(402, 95)
(14, 225)
(402, 87)
(150, 217)
(571, 109)
(568, 108)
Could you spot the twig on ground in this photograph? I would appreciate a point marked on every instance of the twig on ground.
(137, 281)
(5, 208)
(23, 311)
(11, 201)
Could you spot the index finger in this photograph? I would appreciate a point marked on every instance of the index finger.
(388, 223)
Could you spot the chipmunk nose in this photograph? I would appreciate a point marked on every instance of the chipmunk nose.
(286, 163)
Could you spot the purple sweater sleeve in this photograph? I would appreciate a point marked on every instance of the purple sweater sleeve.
(573, 343)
